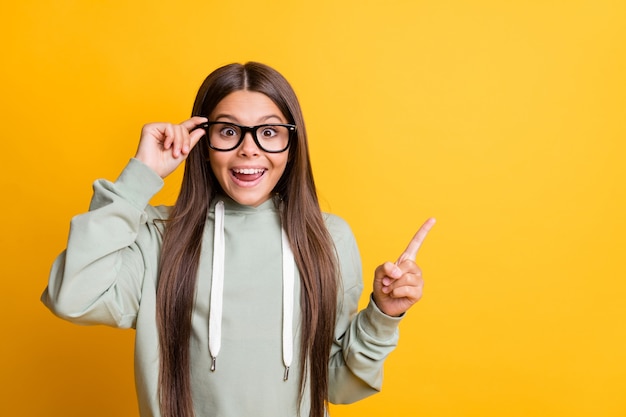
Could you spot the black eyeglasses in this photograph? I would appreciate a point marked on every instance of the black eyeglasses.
(225, 136)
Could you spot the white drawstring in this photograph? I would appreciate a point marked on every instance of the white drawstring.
(288, 278)
(217, 286)
(217, 293)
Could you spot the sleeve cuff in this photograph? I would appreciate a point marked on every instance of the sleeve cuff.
(378, 324)
(138, 183)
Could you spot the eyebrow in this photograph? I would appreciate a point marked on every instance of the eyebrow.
(235, 120)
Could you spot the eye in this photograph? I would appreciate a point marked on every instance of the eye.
(228, 131)
(269, 132)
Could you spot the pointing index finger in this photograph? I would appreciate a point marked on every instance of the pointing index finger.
(414, 245)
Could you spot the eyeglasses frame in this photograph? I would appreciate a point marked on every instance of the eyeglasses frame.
(244, 130)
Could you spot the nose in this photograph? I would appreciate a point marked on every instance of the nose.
(248, 147)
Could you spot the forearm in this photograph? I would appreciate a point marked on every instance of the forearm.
(356, 368)
(97, 279)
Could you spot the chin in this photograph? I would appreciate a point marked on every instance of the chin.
(249, 200)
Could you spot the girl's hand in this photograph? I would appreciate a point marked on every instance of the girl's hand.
(398, 286)
(164, 146)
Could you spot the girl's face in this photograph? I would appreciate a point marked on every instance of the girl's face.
(247, 174)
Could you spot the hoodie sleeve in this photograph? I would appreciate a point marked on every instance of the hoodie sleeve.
(111, 249)
(362, 340)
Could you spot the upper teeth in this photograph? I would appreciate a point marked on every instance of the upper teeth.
(248, 171)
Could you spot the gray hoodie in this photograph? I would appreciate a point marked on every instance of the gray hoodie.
(108, 275)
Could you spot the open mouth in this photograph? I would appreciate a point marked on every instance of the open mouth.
(247, 176)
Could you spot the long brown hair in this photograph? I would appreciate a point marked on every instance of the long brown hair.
(301, 218)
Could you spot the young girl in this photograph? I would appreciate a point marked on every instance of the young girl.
(243, 295)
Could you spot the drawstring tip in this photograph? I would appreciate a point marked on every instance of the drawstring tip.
(213, 360)
(286, 376)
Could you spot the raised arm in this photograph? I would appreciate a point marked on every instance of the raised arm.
(363, 340)
(115, 246)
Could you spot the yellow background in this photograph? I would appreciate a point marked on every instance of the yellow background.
(503, 119)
